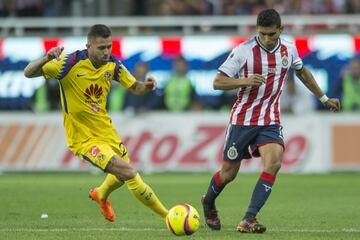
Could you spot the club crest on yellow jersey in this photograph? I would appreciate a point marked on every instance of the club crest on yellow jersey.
(107, 75)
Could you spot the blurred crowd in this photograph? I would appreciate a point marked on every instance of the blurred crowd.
(26, 8)
(179, 95)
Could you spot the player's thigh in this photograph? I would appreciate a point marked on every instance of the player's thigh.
(237, 141)
(97, 154)
(120, 168)
(271, 153)
(269, 143)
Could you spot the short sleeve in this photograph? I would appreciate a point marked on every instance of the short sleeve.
(234, 63)
(123, 76)
(53, 68)
(296, 63)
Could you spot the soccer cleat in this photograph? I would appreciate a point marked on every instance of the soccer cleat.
(105, 207)
(250, 226)
(211, 216)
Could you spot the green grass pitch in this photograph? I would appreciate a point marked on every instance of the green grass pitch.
(300, 207)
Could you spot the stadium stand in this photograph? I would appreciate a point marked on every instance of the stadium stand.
(173, 25)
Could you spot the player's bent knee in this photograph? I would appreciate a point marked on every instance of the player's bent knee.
(121, 169)
(277, 166)
(129, 174)
(273, 168)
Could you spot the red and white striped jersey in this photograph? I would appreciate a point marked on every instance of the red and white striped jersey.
(260, 105)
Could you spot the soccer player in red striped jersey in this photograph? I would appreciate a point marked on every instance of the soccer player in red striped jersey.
(258, 68)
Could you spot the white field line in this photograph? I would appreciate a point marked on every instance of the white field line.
(122, 229)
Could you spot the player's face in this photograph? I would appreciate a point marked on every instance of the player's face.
(99, 50)
(269, 36)
(355, 68)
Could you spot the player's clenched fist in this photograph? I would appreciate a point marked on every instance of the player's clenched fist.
(333, 104)
(54, 53)
(255, 80)
(150, 83)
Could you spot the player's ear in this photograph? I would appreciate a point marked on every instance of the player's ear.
(281, 28)
(88, 45)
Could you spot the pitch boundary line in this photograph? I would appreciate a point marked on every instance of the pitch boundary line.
(123, 229)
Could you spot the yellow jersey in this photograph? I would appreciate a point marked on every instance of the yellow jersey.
(84, 90)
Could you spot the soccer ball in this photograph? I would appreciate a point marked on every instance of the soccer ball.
(183, 219)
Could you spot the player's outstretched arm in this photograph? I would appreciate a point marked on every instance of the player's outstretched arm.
(33, 69)
(309, 81)
(140, 88)
(223, 82)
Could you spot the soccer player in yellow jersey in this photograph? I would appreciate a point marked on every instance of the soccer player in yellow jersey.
(84, 78)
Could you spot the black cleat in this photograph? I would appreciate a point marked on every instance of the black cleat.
(211, 216)
(250, 225)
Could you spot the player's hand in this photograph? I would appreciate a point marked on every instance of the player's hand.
(54, 53)
(150, 83)
(333, 104)
(255, 80)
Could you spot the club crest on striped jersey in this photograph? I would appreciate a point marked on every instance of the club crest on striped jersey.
(232, 153)
(284, 61)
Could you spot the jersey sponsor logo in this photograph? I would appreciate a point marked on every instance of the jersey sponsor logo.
(272, 70)
(232, 153)
(93, 90)
(94, 151)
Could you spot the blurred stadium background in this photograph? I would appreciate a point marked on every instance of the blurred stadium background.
(191, 39)
(178, 40)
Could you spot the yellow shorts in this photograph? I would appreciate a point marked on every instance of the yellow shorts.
(99, 154)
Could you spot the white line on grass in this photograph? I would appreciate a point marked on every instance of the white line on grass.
(123, 229)
(344, 230)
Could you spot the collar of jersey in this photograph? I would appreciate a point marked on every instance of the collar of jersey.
(262, 46)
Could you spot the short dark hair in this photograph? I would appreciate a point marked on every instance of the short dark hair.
(268, 18)
(99, 30)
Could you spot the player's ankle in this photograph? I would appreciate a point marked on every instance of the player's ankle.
(249, 215)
